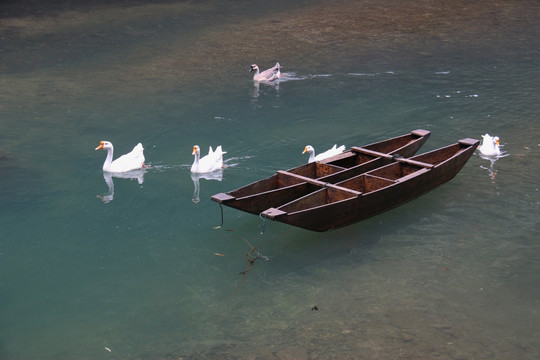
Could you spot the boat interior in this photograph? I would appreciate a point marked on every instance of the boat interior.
(323, 172)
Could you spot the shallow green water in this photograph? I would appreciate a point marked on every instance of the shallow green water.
(453, 274)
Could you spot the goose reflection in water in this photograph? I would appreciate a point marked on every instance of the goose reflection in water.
(274, 84)
(137, 174)
(492, 160)
(256, 86)
(216, 175)
(491, 169)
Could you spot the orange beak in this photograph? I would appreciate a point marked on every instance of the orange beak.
(305, 150)
(497, 142)
(194, 150)
(100, 146)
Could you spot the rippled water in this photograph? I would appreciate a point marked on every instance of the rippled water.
(142, 272)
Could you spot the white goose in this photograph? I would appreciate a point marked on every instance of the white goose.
(267, 75)
(328, 153)
(490, 146)
(211, 162)
(130, 161)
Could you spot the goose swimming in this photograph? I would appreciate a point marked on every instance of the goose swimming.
(209, 163)
(130, 161)
(490, 145)
(267, 75)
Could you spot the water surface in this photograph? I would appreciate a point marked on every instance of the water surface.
(138, 273)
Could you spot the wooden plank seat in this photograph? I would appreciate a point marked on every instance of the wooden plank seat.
(362, 150)
(322, 184)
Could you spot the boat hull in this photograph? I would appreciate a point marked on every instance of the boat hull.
(376, 191)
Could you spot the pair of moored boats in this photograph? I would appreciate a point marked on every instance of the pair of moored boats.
(352, 186)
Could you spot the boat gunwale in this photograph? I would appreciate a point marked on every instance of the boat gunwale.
(419, 133)
(303, 183)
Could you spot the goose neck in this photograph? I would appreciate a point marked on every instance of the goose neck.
(108, 159)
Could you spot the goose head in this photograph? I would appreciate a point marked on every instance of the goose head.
(196, 150)
(308, 149)
(254, 67)
(104, 145)
(496, 140)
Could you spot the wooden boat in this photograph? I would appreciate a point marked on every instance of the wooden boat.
(282, 188)
(361, 196)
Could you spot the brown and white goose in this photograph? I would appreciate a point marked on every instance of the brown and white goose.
(267, 75)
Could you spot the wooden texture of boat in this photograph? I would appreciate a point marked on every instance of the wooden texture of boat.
(339, 203)
(365, 195)
(286, 186)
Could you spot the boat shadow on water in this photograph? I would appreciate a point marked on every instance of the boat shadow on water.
(273, 252)
(272, 249)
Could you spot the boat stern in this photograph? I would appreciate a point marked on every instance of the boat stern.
(222, 198)
(272, 213)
